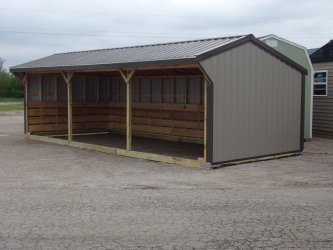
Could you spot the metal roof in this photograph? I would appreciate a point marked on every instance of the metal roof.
(323, 54)
(311, 51)
(175, 52)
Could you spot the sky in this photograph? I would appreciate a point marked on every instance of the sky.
(36, 28)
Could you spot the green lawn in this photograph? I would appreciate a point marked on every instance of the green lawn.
(10, 104)
(5, 99)
(11, 107)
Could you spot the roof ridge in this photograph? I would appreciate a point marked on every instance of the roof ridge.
(151, 45)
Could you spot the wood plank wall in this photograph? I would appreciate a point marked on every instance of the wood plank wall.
(165, 106)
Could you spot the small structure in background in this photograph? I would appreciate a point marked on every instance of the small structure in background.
(311, 51)
(298, 54)
(202, 102)
(322, 60)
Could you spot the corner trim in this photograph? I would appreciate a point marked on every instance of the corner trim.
(210, 116)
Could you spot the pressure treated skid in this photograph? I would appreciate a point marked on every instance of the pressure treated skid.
(237, 97)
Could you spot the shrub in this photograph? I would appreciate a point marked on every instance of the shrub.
(10, 86)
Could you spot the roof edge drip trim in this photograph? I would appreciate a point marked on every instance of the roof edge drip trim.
(143, 64)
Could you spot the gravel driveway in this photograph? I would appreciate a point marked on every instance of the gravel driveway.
(57, 197)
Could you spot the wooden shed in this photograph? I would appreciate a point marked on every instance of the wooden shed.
(203, 102)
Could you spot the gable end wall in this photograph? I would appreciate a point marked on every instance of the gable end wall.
(257, 104)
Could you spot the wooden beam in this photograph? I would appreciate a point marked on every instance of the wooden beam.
(205, 119)
(127, 78)
(185, 66)
(25, 78)
(25, 84)
(122, 105)
(20, 78)
(128, 116)
(69, 112)
(68, 79)
(67, 76)
(64, 75)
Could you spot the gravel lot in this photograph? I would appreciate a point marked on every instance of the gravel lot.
(57, 197)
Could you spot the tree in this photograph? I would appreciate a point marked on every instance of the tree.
(2, 63)
(10, 86)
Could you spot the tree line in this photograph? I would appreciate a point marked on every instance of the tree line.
(10, 86)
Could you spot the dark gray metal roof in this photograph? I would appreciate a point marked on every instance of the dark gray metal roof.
(165, 53)
(162, 54)
(311, 51)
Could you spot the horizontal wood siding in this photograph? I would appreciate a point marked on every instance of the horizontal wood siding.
(100, 105)
(323, 105)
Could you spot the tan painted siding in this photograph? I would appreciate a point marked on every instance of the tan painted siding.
(257, 104)
(323, 105)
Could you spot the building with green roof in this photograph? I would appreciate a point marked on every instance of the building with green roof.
(299, 54)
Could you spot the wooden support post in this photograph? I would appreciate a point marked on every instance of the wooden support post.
(127, 78)
(205, 119)
(128, 116)
(69, 111)
(26, 122)
(68, 79)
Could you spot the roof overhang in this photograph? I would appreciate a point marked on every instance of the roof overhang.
(112, 67)
(183, 62)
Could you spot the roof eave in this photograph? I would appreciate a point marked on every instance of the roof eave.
(142, 64)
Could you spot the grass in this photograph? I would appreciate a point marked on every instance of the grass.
(11, 107)
(5, 99)
(11, 104)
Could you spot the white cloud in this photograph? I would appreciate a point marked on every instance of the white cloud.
(27, 32)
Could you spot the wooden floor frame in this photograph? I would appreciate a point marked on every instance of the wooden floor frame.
(122, 152)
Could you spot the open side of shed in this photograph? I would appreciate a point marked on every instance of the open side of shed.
(165, 105)
(172, 109)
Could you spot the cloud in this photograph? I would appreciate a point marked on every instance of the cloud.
(33, 29)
